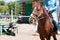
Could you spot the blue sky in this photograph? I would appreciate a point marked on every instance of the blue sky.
(8, 0)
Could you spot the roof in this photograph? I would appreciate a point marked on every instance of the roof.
(27, 1)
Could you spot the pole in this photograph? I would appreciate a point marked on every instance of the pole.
(11, 18)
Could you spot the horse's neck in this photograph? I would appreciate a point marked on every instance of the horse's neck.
(46, 22)
(46, 12)
(48, 18)
(45, 15)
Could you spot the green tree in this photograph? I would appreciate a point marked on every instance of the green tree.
(11, 6)
(4, 9)
(17, 8)
(2, 3)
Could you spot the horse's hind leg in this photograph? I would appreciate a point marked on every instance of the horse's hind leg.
(54, 37)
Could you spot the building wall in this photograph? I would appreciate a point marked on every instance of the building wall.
(27, 10)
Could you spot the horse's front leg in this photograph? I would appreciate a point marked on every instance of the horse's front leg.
(41, 37)
(54, 37)
(48, 38)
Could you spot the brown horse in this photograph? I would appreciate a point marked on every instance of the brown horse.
(45, 28)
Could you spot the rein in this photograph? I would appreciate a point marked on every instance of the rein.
(41, 18)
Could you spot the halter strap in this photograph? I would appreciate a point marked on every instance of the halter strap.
(41, 18)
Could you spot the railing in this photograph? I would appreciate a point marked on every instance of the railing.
(23, 16)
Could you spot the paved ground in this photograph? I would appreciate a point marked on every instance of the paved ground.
(25, 32)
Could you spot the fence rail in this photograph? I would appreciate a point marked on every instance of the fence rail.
(15, 16)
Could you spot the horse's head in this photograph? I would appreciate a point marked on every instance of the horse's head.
(37, 11)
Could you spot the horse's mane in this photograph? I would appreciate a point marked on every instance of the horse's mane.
(45, 12)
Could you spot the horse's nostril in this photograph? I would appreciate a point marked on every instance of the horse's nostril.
(33, 18)
(37, 10)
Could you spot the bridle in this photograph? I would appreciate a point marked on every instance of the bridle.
(37, 17)
(40, 13)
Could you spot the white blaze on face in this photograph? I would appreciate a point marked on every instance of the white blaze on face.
(35, 8)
